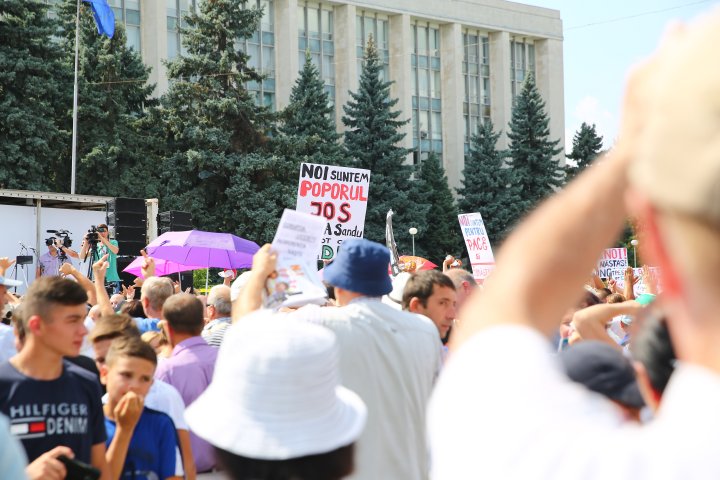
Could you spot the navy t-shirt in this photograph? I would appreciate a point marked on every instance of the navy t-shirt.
(152, 451)
(45, 414)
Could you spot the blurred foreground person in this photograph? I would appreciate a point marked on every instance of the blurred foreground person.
(502, 407)
(275, 409)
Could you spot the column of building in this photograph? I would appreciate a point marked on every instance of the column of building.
(500, 94)
(549, 77)
(286, 51)
(153, 41)
(453, 93)
(346, 74)
(401, 72)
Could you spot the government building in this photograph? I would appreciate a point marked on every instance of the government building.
(454, 63)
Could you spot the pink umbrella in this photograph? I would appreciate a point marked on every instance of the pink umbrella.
(162, 267)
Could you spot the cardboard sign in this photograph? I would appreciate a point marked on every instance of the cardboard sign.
(339, 194)
(478, 246)
(297, 282)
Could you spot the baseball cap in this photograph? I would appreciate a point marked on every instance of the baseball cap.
(604, 370)
(8, 282)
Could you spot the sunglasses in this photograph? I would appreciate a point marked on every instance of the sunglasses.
(101, 229)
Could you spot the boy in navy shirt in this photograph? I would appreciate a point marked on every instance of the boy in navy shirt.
(141, 443)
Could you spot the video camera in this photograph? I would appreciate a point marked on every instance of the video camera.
(93, 236)
(60, 239)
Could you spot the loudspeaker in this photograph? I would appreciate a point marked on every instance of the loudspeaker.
(174, 221)
(128, 218)
(127, 279)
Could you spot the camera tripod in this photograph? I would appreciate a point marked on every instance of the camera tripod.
(93, 257)
(21, 261)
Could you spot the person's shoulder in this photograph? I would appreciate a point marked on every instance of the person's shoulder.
(157, 422)
(8, 373)
(79, 374)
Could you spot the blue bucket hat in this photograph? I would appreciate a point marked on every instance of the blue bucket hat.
(360, 266)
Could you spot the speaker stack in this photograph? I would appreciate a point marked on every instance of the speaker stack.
(128, 219)
(177, 221)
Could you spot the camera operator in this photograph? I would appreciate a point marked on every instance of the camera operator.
(58, 252)
(103, 246)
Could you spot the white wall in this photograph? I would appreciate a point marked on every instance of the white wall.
(19, 224)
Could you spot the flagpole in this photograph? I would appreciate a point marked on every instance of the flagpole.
(75, 101)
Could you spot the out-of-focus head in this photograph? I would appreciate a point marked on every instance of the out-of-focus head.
(654, 355)
(676, 158)
(116, 300)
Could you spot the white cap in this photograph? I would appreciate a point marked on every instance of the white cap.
(394, 298)
(238, 285)
(276, 394)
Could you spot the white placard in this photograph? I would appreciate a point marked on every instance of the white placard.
(478, 246)
(339, 194)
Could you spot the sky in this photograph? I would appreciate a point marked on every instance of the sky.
(602, 40)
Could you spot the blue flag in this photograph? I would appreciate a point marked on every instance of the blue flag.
(104, 17)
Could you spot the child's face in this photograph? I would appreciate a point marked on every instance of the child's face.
(127, 374)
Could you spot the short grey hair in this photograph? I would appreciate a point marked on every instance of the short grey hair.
(219, 297)
(157, 290)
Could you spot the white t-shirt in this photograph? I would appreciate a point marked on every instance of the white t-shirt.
(504, 409)
(391, 360)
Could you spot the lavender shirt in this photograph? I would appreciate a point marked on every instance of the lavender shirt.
(190, 369)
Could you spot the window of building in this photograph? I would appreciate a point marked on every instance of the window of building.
(176, 10)
(522, 61)
(261, 50)
(316, 35)
(426, 90)
(129, 12)
(378, 26)
(476, 74)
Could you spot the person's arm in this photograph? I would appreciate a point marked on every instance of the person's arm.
(82, 280)
(187, 455)
(148, 265)
(590, 323)
(650, 280)
(103, 300)
(5, 264)
(127, 413)
(69, 252)
(84, 248)
(567, 222)
(630, 281)
(250, 298)
(98, 460)
(47, 466)
(113, 248)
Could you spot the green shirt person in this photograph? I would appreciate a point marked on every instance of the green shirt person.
(104, 246)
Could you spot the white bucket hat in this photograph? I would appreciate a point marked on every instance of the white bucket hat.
(275, 394)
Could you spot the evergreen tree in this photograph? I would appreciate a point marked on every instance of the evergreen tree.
(440, 234)
(587, 144)
(489, 185)
(112, 144)
(371, 141)
(532, 153)
(33, 91)
(309, 118)
(216, 134)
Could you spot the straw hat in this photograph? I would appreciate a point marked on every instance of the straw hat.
(276, 393)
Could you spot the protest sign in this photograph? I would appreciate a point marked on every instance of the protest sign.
(339, 195)
(478, 246)
(613, 263)
(296, 242)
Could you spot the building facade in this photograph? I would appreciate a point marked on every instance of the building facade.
(454, 63)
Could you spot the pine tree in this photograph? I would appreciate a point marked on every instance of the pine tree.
(216, 134)
(489, 185)
(587, 144)
(33, 95)
(440, 234)
(532, 153)
(112, 146)
(371, 141)
(309, 118)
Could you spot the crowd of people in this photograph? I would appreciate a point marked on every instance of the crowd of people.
(425, 375)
